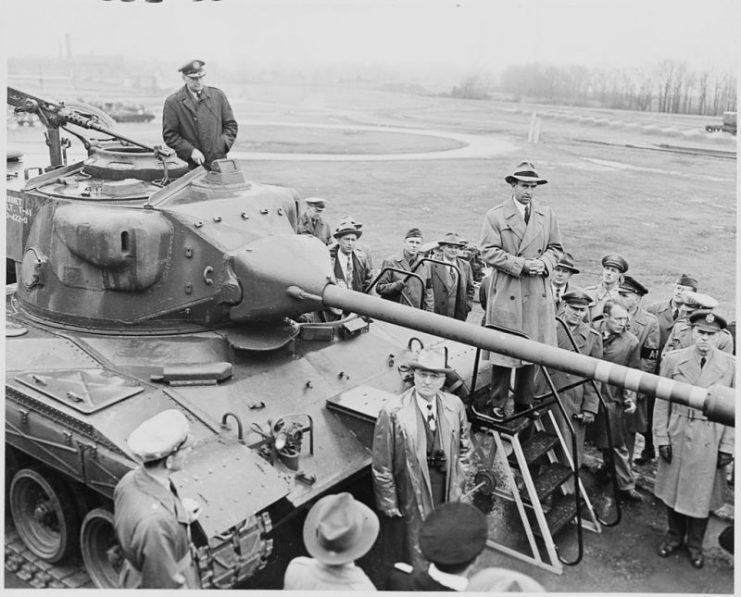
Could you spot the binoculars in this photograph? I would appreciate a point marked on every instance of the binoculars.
(437, 460)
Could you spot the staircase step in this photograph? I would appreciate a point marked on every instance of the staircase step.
(550, 478)
(537, 445)
(561, 513)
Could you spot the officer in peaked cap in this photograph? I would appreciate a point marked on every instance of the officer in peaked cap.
(197, 120)
(613, 268)
(644, 326)
(312, 221)
(681, 334)
(152, 523)
(451, 538)
(694, 452)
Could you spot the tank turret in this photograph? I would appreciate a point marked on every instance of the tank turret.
(144, 286)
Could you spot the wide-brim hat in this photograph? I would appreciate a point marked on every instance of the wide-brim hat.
(431, 359)
(193, 69)
(453, 533)
(344, 230)
(159, 436)
(525, 172)
(338, 529)
(567, 262)
(451, 239)
(707, 321)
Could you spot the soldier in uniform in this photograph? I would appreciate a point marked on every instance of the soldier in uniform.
(421, 453)
(613, 268)
(197, 121)
(521, 241)
(351, 265)
(452, 286)
(404, 288)
(666, 313)
(693, 450)
(580, 402)
(152, 523)
(621, 347)
(565, 268)
(645, 327)
(681, 334)
(312, 222)
(451, 539)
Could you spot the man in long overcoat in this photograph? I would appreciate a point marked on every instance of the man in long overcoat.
(580, 401)
(681, 333)
(521, 241)
(693, 451)
(422, 453)
(621, 347)
(452, 285)
(645, 327)
(197, 121)
(413, 289)
(666, 312)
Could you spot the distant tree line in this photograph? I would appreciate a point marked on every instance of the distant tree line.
(669, 86)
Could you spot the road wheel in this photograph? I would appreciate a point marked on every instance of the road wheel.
(44, 513)
(100, 549)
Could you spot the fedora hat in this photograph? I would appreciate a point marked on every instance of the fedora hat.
(567, 262)
(453, 533)
(338, 529)
(452, 239)
(525, 172)
(431, 359)
(348, 226)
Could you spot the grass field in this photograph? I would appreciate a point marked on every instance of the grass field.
(667, 213)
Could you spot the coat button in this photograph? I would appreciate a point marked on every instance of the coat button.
(540, 250)
(511, 298)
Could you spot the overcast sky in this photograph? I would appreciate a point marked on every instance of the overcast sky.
(467, 33)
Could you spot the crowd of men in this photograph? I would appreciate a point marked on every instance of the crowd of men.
(423, 460)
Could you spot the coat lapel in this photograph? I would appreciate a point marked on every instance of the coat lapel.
(711, 372)
(411, 419)
(534, 230)
(513, 219)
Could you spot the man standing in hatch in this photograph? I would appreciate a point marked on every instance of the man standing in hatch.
(197, 121)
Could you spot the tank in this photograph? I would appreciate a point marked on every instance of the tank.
(142, 286)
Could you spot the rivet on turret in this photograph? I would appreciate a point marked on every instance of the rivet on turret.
(280, 211)
(188, 288)
(217, 219)
(189, 252)
(264, 211)
(244, 215)
(309, 385)
(198, 224)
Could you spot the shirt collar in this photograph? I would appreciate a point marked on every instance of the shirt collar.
(520, 207)
(422, 404)
(452, 581)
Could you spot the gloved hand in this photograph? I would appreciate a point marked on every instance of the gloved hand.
(587, 418)
(724, 459)
(666, 453)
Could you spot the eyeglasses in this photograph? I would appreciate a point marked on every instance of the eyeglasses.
(429, 374)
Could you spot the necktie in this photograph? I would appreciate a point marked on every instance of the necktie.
(675, 313)
(453, 276)
(703, 360)
(527, 214)
(348, 272)
(431, 423)
(558, 294)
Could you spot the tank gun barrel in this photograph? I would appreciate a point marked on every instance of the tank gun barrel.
(56, 115)
(717, 403)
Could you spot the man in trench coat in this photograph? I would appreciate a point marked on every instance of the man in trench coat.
(693, 451)
(422, 455)
(452, 285)
(197, 121)
(521, 241)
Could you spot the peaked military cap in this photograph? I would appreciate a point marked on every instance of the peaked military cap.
(568, 262)
(615, 261)
(698, 300)
(577, 297)
(194, 69)
(316, 201)
(708, 321)
(630, 284)
(686, 280)
(413, 233)
(453, 533)
(525, 172)
(159, 436)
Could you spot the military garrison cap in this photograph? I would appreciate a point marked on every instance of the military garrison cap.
(577, 297)
(453, 533)
(413, 233)
(159, 436)
(685, 280)
(615, 261)
(194, 69)
(630, 284)
(707, 321)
